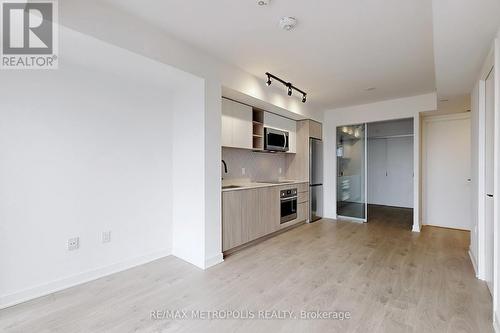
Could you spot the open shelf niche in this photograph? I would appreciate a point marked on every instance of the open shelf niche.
(258, 129)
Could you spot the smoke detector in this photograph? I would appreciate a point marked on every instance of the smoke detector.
(288, 23)
(263, 2)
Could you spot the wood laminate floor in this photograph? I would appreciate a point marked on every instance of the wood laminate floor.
(390, 279)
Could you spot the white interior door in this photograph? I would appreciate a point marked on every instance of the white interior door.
(489, 178)
(447, 194)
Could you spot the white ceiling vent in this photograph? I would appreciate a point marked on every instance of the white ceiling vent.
(288, 23)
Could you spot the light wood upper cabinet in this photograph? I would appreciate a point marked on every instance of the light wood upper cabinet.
(281, 123)
(315, 130)
(236, 129)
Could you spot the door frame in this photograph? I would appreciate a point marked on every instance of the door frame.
(481, 176)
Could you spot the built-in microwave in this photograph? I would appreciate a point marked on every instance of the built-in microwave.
(275, 140)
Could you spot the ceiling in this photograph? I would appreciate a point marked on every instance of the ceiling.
(338, 49)
(463, 35)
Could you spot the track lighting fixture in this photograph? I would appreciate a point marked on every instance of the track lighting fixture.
(290, 87)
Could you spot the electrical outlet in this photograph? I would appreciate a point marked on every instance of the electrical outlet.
(243, 171)
(106, 236)
(73, 243)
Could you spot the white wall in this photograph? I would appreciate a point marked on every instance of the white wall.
(409, 107)
(89, 148)
(82, 153)
(496, 191)
(477, 247)
(477, 250)
(477, 180)
(188, 156)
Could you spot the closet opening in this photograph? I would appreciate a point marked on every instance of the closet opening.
(375, 172)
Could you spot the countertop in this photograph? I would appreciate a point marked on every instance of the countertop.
(250, 185)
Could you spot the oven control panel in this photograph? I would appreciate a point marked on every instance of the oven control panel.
(288, 193)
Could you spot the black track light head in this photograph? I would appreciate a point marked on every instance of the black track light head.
(290, 87)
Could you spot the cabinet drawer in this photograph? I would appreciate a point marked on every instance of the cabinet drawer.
(303, 197)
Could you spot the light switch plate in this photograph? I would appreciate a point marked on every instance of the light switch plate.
(106, 236)
(243, 171)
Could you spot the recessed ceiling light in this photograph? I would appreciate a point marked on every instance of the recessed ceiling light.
(370, 89)
(288, 23)
(263, 2)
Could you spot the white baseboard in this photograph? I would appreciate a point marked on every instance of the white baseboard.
(215, 260)
(71, 281)
(474, 265)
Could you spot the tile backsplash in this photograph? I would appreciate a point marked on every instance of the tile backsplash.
(258, 166)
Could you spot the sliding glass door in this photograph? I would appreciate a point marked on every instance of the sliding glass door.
(351, 171)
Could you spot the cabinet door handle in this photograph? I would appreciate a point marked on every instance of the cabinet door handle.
(490, 195)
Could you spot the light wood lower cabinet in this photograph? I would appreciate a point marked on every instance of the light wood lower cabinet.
(248, 215)
(232, 224)
(302, 211)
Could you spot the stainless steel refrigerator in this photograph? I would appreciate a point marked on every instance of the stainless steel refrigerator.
(315, 179)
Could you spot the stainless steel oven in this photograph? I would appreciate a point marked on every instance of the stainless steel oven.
(275, 140)
(288, 200)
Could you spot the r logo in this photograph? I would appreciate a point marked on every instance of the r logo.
(27, 28)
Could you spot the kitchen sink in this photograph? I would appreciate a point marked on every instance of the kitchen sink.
(230, 186)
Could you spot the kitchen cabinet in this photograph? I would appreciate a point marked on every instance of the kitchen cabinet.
(315, 130)
(248, 215)
(236, 129)
(302, 211)
(260, 213)
(232, 224)
(281, 123)
(302, 204)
